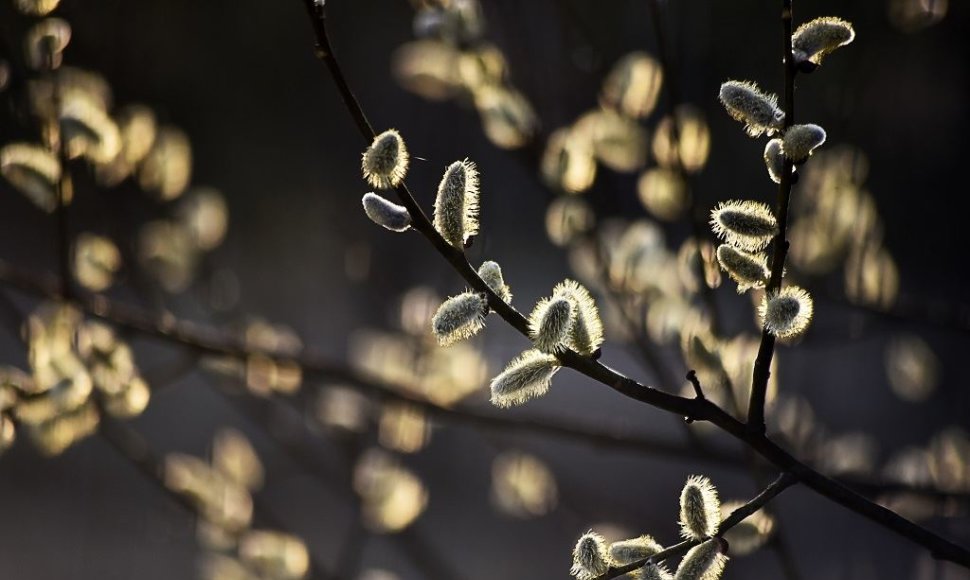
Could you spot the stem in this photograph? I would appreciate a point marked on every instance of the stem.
(780, 484)
(762, 364)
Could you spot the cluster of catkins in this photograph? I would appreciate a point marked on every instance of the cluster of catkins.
(700, 519)
(569, 319)
(748, 227)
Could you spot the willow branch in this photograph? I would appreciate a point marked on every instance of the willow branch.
(766, 350)
(780, 484)
(696, 409)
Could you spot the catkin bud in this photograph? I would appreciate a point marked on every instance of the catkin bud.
(525, 378)
(749, 225)
(586, 333)
(456, 206)
(34, 171)
(814, 40)
(550, 323)
(775, 159)
(700, 508)
(651, 571)
(384, 213)
(749, 270)
(801, 140)
(491, 273)
(634, 550)
(759, 111)
(787, 312)
(703, 562)
(385, 162)
(590, 557)
(459, 317)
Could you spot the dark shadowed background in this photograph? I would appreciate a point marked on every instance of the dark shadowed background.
(268, 129)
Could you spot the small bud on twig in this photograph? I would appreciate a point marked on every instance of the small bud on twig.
(525, 378)
(385, 162)
(748, 225)
(384, 213)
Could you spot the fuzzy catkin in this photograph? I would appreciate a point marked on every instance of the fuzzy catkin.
(801, 140)
(703, 562)
(550, 323)
(456, 205)
(525, 378)
(700, 509)
(748, 225)
(749, 270)
(586, 333)
(384, 213)
(458, 318)
(746, 103)
(385, 163)
(775, 159)
(814, 40)
(788, 312)
(633, 550)
(590, 557)
(491, 273)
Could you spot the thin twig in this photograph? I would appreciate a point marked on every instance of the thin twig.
(780, 484)
(766, 350)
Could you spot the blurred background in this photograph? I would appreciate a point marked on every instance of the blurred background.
(877, 387)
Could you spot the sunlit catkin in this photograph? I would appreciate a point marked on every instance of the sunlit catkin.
(703, 562)
(458, 318)
(749, 270)
(801, 140)
(525, 378)
(384, 213)
(749, 225)
(775, 159)
(491, 273)
(746, 103)
(700, 508)
(34, 171)
(456, 206)
(550, 323)
(787, 312)
(590, 557)
(633, 550)
(385, 162)
(813, 40)
(586, 333)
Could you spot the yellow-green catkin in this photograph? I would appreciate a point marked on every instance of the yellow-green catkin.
(491, 273)
(787, 312)
(385, 163)
(814, 40)
(590, 557)
(385, 213)
(748, 225)
(700, 509)
(525, 378)
(747, 269)
(626, 552)
(748, 104)
(456, 205)
(458, 318)
(801, 140)
(704, 561)
(586, 333)
(550, 323)
(775, 159)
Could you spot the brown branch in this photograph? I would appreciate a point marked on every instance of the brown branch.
(780, 484)
(696, 409)
(766, 350)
